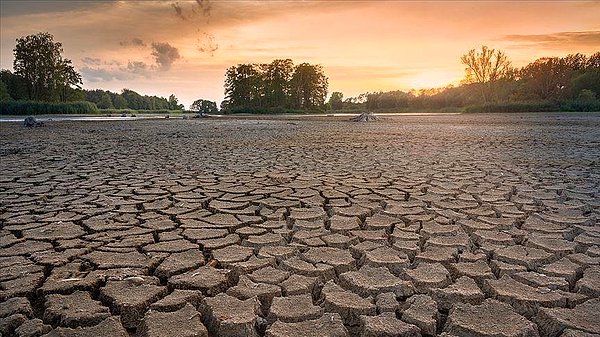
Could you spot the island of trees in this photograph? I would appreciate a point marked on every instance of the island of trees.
(43, 81)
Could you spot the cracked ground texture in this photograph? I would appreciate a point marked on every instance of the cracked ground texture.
(459, 225)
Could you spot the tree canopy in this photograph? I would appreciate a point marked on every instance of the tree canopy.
(279, 84)
(47, 75)
(204, 106)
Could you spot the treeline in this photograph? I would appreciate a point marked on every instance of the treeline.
(129, 99)
(279, 86)
(570, 83)
(13, 87)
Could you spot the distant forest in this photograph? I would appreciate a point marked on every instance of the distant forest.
(45, 82)
(491, 84)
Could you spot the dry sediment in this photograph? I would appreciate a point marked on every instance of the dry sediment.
(451, 225)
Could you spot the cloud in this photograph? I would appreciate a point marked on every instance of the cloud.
(16, 8)
(92, 61)
(97, 70)
(138, 67)
(136, 42)
(164, 55)
(207, 44)
(559, 40)
(197, 8)
(99, 74)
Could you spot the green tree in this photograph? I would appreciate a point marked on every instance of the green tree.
(244, 86)
(336, 100)
(308, 86)
(39, 62)
(173, 103)
(548, 78)
(15, 85)
(118, 101)
(204, 106)
(485, 69)
(4, 95)
(277, 76)
(105, 101)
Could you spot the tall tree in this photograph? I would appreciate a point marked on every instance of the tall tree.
(39, 61)
(308, 86)
(336, 100)
(485, 68)
(277, 76)
(548, 78)
(174, 103)
(244, 86)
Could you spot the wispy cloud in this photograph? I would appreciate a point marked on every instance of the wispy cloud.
(559, 40)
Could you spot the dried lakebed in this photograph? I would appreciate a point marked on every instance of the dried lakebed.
(462, 225)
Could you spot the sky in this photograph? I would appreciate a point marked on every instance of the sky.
(184, 47)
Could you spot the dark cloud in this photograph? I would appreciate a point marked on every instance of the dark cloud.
(136, 42)
(558, 40)
(16, 8)
(178, 11)
(164, 55)
(198, 8)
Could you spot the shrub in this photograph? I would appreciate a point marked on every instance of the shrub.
(45, 108)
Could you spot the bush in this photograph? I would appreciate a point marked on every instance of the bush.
(577, 105)
(133, 111)
(46, 108)
(542, 106)
(272, 111)
(580, 105)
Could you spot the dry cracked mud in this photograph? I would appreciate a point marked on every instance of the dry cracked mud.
(456, 225)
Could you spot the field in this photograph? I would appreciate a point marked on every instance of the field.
(450, 225)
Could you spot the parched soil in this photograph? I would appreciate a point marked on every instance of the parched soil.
(461, 225)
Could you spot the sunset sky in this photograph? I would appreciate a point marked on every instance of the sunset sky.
(184, 47)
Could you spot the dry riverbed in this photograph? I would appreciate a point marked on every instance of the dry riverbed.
(459, 225)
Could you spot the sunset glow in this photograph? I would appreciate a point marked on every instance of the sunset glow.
(363, 46)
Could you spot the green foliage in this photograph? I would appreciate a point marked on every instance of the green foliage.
(38, 61)
(173, 103)
(260, 87)
(4, 95)
(44, 108)
(335, 101)
(131, 111)
(15, 85)
(204, 106)
(542, 106)
(585, 104)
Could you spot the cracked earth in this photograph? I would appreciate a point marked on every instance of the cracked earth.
(463, 225)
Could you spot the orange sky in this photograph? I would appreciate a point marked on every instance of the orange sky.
(363, 46)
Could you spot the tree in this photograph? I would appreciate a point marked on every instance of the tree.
(15, 85)
(308, 86)
(105, 101)
(4, 95)
(174, 103)
(485, 68)
(277, 76)
(548, 78)
(39, 62)
(204, 106)
(244, 86)
(336, 100)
